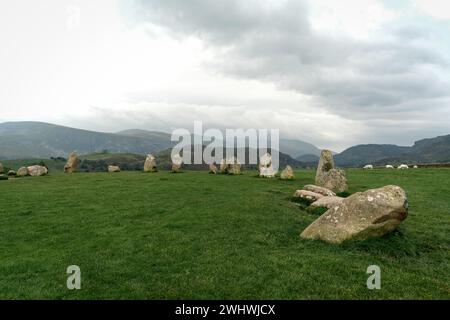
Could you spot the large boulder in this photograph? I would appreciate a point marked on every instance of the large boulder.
(36, 171)
(327, 202)
(177, 163)
(323, 191)
(72, 163)
(328, 176)
(150, 163)
(22, 172)
(287, 174)
(265, 166)
(363, 215)
(113, 169)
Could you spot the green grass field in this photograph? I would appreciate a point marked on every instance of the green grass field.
(199, 236)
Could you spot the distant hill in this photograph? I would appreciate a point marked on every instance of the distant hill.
(294, 148)
(434, 150)
(25, 140)
(297, 148)
(145, 134)
(22, 140)
(308, 158)
(368, 154)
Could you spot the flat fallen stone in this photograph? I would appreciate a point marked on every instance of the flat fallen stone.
(304, 194)
(323, 191)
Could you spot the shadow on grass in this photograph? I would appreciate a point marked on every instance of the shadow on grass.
(396, 244)
(305, 206)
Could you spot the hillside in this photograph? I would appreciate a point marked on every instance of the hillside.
(434, 150)
(22, 140)
(297, 148)
(293, 148)
(369, 153)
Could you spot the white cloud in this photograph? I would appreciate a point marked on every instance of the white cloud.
(354, 18)
(439, 9)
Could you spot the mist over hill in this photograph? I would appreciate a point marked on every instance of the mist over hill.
(22, 140)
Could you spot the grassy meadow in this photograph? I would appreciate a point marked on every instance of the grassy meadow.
(198, 236)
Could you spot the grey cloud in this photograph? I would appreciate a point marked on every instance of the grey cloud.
(277, 44)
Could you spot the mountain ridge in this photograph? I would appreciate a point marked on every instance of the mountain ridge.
(429, 150)
(32, 139)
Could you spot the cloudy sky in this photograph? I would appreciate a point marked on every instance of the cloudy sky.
(333, 73)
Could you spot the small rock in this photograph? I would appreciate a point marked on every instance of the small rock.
(287, 174)
(213, 168)
(113, 169)
(22, 172)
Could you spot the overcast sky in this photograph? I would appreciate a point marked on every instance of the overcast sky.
(333, 73)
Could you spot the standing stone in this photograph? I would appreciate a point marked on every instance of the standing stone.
(363, 215)
(233, 166)
(150, 164)
(177, 162)
(326, 163)
(329, 177)
(266, 167)
(336, 180)
(223, 166)
(36, 171)
(72, 163)
(213, 168)
(287, 174)
(22, 172)
(230, 166)
(113, 169)
(1, 168)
